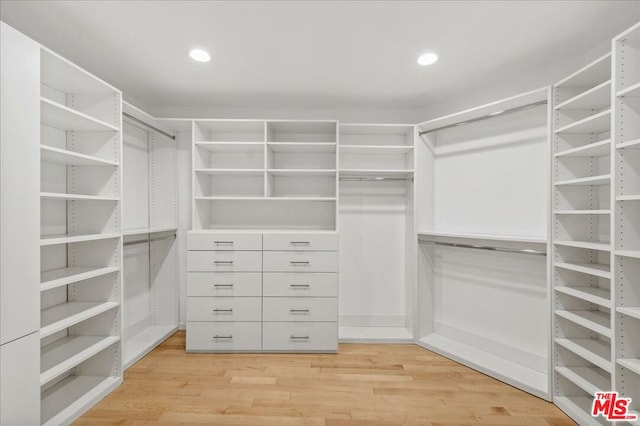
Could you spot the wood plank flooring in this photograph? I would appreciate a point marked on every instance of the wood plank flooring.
(363, 385)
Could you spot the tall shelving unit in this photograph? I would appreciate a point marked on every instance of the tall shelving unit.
(150, 203)
(581, 237)
(626, 217)
(81, 245)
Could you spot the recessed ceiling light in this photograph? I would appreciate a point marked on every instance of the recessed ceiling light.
(200, 55)
(429, 58)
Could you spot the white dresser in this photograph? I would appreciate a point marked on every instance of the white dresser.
(251, 292)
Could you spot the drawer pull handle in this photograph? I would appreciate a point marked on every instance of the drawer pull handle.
(300, 243)
(294, 337)
(299, 262)
(223, 285)
(223, 310)
(230, 336)
(223, 242)
(299, 311)
(299, 285)
(223, 262)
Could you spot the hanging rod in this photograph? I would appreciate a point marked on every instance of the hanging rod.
(486, 116)
(375, 178)
(489, 248)
(136, 119)
(148, 240)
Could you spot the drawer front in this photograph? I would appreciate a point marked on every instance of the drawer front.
(224, 284)
(223, 241)
(300, 242)
(224, 309)
(292, 284)
(221, 336)
(224, 261)
(304, 261)
(300, 309)
(300, 336)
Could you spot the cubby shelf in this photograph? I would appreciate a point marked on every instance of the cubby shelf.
(596, 123)
(586, 181)
(50, 240)
(375, 173)
(375, 149)
(596, 295)
(595, 98)
(302, 172)
(582, 212)
(301, 147)
(633, 312)
(585, 245)
(632, 364)
(595, 351)
(66, 353)
(596, 149)
(64, 276)
(633, 90)
(628, 253)
(634, 197)
(75, 197)
(632, 144)
(595, 269)
(50, 154)
(62, 117)
(213, 172)
(589, 379)
(595, 321)
(64, 315)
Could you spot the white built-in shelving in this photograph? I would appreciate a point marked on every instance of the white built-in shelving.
(81, 244)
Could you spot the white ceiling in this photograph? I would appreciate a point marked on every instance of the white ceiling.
(314, 54)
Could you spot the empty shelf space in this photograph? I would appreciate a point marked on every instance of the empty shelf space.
(587, 181)
(628, 253)
(212, 172)
(64, 401)
(373, 173)
(596, 295)
(596, 321)
(59, 317)
(75, 197)
(632, 144)
(582, 212)
(633, 90)
(596, 149)
(302, 172)
(64, 276)
(64, 157)
(585, 245)
(596, 97)
(143, 231)
(597, 123)
(631, 311)
(66, 353)
(302, 147)
(632, 364)
(595, 269)
(375, 149)
(62, 117)
(50, 240)
(595, 351)
(137, 346)
(589, 379)
(633, 197)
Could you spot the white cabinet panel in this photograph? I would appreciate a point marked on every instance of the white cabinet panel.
(224, 336)
(300, 242)
(224, 309)
(20, 381)
(286, 261)
(292, 284)
(300, 336)
(300, 309)
(224, 284)
(223, 241)
(224, 261)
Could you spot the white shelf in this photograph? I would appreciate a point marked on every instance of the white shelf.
(632, 144)
(488, 237)
(596, 97)
(596, 123)
(585, 245)
(596, 321)
(302, 172)
(632, 364)
(595, 269)
(64, 157)
(589, 379)
(231, 146)
(74, 197)
(633, 312)
(50, 240)
(578, 407)
(65, 401)
(589, 75)
(596, 295)
(224, 198)
(596, 149)
(60, 277)
(587, 181)
(582, 212)
(143, 231)
(628, 253)
(62, 117)
(64, 315)
(374, 335)
(628, 198)
(595, 351)
(631, 91)
(68, 352)
(227, 172)
(302, 147)
(376, 149)
(67, 77)
(137, 346)
(399, 173)
(300, 198)
(228, 198)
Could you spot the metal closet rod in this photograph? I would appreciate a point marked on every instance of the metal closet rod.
(486, 116)
(489, 248)
(137, 120)
(375, 178)
(148, 240)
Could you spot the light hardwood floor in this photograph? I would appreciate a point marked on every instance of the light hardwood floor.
(363, 385)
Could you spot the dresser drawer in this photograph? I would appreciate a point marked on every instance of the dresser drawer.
(299, 309)
(224, 284)
(300, 242)
(304, 261)
(300, 336)
(224, 309)
(224, 261)
(223, 241)
(224, 336)
(287, 284)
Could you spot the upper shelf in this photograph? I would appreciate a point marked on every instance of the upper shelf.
(62, 117)
(631, 91)
(596, 149)
(597, 97)
(50, 154)
(596, 123)
(482, 237)
(590, 75)
(302, 147)
(375, 149)
(144, 231)
(374, 173)
(67, 77)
